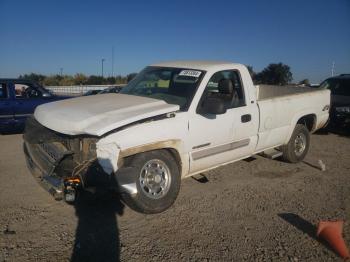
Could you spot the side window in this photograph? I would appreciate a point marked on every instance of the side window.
(26, 91)
(3, 91)
(342, 87)
(226, 85)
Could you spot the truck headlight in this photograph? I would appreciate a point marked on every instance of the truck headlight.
(343, 109)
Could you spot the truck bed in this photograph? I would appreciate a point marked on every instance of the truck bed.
(270, 91)
(280, 108)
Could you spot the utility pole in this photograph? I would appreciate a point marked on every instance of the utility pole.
(112, 61)
(102, 60)
(61, 71)
(333, 64)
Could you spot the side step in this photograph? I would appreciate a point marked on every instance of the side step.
(271, 153)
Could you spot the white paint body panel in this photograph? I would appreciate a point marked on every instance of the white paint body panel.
(272, 121)
(279, 115)
(99, 114)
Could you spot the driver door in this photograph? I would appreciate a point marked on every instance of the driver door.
(222, 138)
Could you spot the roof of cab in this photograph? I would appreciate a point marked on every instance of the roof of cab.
(200, 65)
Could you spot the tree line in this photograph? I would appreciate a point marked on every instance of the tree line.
(273, 74)
(77, 79)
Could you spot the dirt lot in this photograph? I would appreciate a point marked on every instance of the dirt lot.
(254, 210)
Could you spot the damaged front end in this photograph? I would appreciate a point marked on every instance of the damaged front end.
(63, 163)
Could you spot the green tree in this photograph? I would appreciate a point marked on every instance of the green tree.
(80, 79)
(110, 80)
(33, 77)
(67, 81)
(52, 80)
(275, 74)
(95, 80)
(130, 77)
(305, 82)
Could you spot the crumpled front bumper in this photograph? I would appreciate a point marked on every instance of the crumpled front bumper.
(43, 167)
(43, 171)
(54, 159)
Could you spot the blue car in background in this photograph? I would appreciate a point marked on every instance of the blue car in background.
(18, 100)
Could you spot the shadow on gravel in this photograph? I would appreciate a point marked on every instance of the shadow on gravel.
(201, 178)
(300, 223)
(249, 159)
(312, 165)
(97, 234)
(304, 226)
(339, 130)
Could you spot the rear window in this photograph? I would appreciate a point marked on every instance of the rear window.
(3, 91)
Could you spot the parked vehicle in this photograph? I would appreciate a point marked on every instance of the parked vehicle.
(174, 120)
(18, 100)
(92, 92)
(340, 98)
(111, 89)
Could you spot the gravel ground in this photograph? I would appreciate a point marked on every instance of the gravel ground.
(254, 210)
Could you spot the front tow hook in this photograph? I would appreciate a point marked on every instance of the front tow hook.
(71, 186)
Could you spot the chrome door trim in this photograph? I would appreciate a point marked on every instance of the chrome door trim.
(220, 149)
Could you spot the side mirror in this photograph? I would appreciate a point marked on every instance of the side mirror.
(212, 105)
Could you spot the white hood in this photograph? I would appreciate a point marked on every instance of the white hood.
(98, 114)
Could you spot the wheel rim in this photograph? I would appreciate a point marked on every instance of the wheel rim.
(155, 179)
(299, 144)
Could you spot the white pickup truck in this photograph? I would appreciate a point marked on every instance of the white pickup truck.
(174, 120)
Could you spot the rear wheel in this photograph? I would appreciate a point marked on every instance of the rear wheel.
(157, 179)
(298, 145)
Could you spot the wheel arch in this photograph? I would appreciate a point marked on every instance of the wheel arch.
(309, 121)
(172, 146)
(306, 118)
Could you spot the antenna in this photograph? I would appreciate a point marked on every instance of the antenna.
(333, 64)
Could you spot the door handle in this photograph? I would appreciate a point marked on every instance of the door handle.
(246, 118)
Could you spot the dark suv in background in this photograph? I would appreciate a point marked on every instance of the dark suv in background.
(340, 98)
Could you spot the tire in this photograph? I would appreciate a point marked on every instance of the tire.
(163, 170)
(298, 145)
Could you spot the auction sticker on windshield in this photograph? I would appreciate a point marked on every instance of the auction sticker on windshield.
(192, 73)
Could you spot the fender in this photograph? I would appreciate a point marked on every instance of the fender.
(174, 145)
(296, 118)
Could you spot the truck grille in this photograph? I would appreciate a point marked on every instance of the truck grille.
(54, 152)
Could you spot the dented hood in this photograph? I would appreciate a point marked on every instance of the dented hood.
(99, 114)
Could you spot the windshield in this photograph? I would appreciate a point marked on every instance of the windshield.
(45, 92)
(173, 85)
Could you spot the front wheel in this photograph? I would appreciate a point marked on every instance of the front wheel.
(157, 179)
(298, 145)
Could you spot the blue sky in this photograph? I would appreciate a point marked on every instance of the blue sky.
(43, 36)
